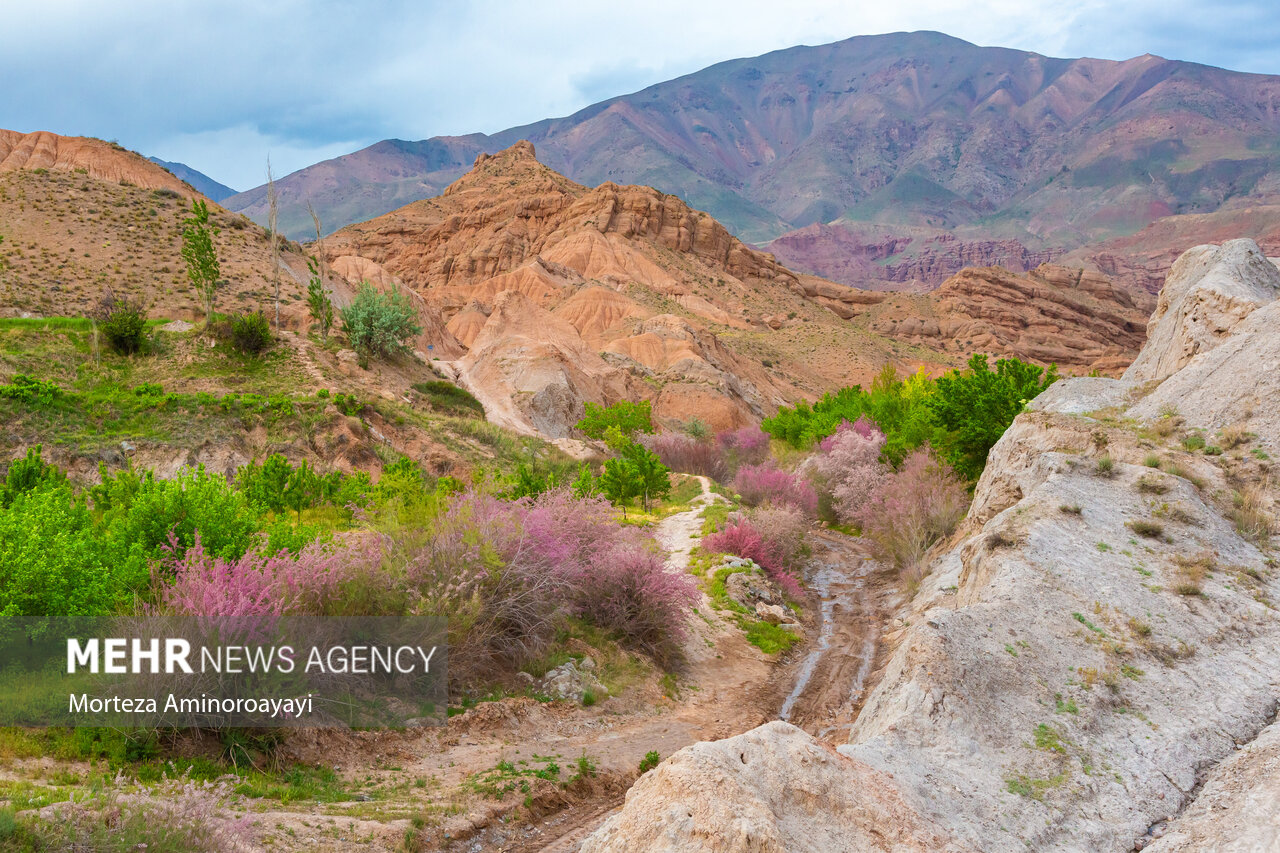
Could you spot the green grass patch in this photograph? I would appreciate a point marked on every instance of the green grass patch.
(1025, 786)
(714, 517)
(767, 637)
(447, 398)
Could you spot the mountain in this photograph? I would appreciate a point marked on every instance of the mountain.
(904, 131)
(555, 294)
(202, 182)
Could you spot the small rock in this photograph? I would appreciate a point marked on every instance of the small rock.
(772, 613)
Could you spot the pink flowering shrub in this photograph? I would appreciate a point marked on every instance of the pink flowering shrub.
(503, 572)
(625, 588)
(849, 468)
(748, 445)
(688, 455)
(244, 599)
(768, 484)
(741, 537)
(912, 508)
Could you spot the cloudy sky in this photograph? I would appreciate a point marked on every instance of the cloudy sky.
(222, 86)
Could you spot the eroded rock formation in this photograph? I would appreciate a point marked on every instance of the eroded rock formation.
(1074, 318)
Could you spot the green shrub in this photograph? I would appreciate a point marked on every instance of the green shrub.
(30, 390)
(348, 404)
(380, 324)
(158, 512)
(651, 760)
(250, 333)
(55, 575)
(123, 322)
(623, 418)
(27, 474)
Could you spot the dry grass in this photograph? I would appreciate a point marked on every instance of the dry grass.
(1251, 518)
(1175, 512)
(1149, 529)
(1234, 436)
(1152, 485)
(1192, 570)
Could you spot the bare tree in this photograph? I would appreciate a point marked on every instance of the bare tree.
(318, 301)
(273, 212)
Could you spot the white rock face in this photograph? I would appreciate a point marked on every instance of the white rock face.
(1209, 290)
(1238, 810)
(1066, 681)
(1064, 696)
(771, 790)
(1235, 384)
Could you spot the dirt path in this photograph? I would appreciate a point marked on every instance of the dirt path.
(726, 686)
(679, 534)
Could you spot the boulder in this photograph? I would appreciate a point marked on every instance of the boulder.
(774, 789)
(569, 681)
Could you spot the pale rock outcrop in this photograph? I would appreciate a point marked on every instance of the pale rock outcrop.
(770, 790)
(1052, 674)
(1236, 383)
(1237, 810)
(1209, 291)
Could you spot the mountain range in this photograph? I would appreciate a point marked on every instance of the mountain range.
(203, 183)
(914, 154)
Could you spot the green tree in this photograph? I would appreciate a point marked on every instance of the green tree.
(301, 489)
(977, 406)
(653, 478)
(265, 484)
(622, 420)
(202, 259)
(380, 324)
(318, 301)
(585, 484)
(620, 482)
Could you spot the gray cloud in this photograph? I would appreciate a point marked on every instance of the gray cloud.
(222, 86)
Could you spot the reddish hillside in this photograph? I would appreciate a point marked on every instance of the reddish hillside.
(105, 161)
